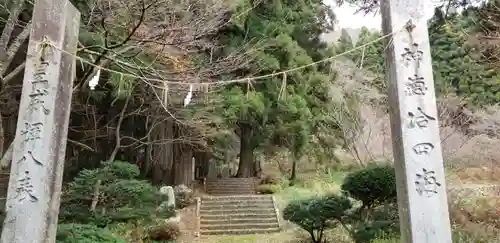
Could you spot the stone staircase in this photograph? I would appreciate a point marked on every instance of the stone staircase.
(237, 215)
(233, 208)
(230, 186)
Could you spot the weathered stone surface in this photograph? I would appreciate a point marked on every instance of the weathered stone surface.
(417, 152)
(238, 215)
(169, 192)
(231, 186)
(39, 149)
(212, 170)
(225, 172)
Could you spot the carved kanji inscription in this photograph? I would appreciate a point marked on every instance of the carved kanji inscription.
(25, 189)
(412, 54)
(39, 89)
(427, 183)
(423, 148)
(32, 131)
(31, 157)
(416, 86)
(419, 119)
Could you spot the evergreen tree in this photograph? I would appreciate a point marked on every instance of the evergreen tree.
(456, 65)
(282, 109)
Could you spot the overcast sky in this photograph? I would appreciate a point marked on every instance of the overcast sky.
(347, 18)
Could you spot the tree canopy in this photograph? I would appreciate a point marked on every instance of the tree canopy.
(282, 108)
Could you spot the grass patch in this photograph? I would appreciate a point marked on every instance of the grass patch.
(309, 186)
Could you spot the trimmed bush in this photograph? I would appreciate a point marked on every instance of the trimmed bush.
(120, 170)
(375, 187)
(85, 233)
(372, 186)
(317, 214)
(165, 232)
(384, 223)
(122, 197)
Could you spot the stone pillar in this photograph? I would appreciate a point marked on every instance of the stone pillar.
(422, 196)
(212, 170)
(39, 148)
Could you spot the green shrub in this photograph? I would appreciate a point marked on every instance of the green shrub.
(184, 196)
(387, 239)
(366, 232)
(120, 170)
(85, 233)
(317, 214)
(83, 186)
(374, 185)
(131, 192)
(165, 232)
(121, 196)
(267, 189)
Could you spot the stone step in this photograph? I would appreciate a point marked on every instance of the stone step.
(238, 216)
(239, 226)
(236, 183)
(239, 232)
(229, 193)
(222, 203)
(239, 191)
(230, 186)
(236, 211)
(236, 198)
(261, 219)
(232, 179)
(235, 206)
(241, 202)
(230, 183)
(231, 189)
(222, 185)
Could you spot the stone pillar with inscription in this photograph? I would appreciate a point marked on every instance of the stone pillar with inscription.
(33, 198)
(422, 198)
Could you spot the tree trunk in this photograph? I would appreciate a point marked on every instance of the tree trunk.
(163, 153)
(183, 165)
(2, 137)
(293, 176)
(246, 166)
(148, 158)
(7, 128)
(117, 148)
